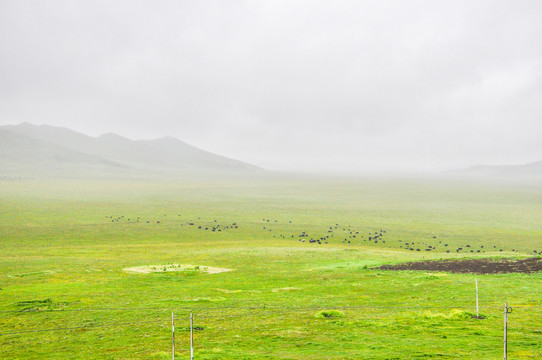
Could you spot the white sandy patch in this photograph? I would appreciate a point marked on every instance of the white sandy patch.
(285, 289)
(147, 269)
(227, 291)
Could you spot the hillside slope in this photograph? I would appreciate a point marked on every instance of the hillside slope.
(527, 171)
(27, 149)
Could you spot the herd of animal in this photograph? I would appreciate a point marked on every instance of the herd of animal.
(333, 234)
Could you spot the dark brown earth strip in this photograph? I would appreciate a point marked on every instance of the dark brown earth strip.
(477, 266)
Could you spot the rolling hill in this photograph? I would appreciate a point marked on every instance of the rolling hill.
(531, 170)
(31, 150)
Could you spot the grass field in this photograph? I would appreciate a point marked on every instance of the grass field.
(64, 245)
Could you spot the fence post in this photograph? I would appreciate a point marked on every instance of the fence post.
(172, 337)
(477, 314)
(191, 337)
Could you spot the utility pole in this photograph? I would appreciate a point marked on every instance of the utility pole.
(507, 310)
(172, 337)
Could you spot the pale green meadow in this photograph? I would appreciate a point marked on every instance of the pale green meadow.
(65, 246)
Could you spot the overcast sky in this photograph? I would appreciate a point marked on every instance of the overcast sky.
(288, 85)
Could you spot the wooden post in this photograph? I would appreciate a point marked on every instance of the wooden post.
(477, 314)
(172, 337)
(191, 337)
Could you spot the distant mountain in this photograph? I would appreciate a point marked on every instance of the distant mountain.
(527, 171)
(181, 152)
(31, 150)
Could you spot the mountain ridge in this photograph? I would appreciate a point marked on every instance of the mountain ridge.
(528, 170)
(27, 149)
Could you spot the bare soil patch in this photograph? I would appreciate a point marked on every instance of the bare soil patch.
(477, 266)
(147, 269)
(285, 289)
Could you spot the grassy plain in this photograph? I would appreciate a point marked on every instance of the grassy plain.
(64, 244)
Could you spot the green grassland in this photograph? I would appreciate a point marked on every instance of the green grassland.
(64, 245)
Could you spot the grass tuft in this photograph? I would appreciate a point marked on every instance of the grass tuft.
(455, 314)
(329, 314)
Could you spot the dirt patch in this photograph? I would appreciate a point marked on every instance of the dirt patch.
(477, 266)
(146, 269)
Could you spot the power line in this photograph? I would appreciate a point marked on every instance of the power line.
(261, 307)
(262, 311)
(81, 327)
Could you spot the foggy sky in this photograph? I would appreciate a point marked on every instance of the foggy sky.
(288, 85)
